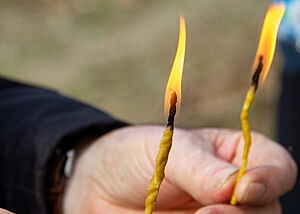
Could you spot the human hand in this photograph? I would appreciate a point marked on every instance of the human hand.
(112, 174)
(2, 211)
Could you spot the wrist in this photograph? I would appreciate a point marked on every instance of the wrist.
(60, 170)
(76, 186)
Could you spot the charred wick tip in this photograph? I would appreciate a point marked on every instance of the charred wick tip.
(256, 75)
(173, 99)
(172, 111)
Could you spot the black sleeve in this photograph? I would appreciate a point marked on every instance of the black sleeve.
(34, 123)
(289, 134)
(289, 116)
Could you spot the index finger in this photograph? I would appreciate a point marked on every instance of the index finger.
(271, 170)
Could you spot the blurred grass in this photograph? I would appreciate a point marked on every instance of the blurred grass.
(117, 55)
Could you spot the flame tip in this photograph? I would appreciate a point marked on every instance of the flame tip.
(173, 89)
(267, 42)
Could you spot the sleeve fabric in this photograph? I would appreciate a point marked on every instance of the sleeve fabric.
(34, 124)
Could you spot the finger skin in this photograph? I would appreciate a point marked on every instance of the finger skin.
(273, 208)
(2, 211)
(268, 164)
(105, 207)
(194, 168)
(268, 176)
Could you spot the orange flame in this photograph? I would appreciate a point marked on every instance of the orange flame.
(267, 42)
(174, 82)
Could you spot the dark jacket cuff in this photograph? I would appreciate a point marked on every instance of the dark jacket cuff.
(35, 125)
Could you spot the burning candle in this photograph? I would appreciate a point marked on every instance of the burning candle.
(172, 96)
(261, 66)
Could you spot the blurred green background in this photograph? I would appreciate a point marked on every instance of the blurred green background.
(117, 55)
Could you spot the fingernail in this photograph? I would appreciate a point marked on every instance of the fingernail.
(230, 175)
(254, 192)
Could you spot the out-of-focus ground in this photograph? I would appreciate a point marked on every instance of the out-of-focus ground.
(117, 55)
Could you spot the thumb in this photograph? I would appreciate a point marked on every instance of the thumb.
(194, 168)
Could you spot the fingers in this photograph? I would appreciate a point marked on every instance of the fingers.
(271, 170)
(273, 208)
(224, 141)
(2, 211)
(262, 184)
(193, 167)
(104, 207)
